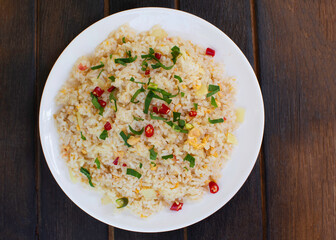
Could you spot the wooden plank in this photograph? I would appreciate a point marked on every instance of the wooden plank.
(116, 6)
(241, 218)
(58, 23)
(17, 166)
(297, 42)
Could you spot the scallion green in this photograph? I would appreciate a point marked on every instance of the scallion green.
(133, 173)
(134, 131)
(214, 121)
(190, 159)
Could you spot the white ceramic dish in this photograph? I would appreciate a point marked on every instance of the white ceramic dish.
(249, 133)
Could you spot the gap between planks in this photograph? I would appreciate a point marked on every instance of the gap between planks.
(261, 153)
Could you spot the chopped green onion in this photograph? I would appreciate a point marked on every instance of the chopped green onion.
(140, 90)
(150, 55)
(213, 102)
(152, 86)
(112, 78)
(189, 126)
(176, 116)
(96, 104)
(123, 40)
(159, 64)
(176, 127)
(153, 164)
(212, 89)
(135, 132)
(82, 136)
(122, 202)
(149, 80)
(103, 135)
(195, 106)
(98, 66)
(110, 56)
(112, 97)
(157, 117)
(124, 61)
(167, 100)
(133, 173)
(168, 156)
(144, 65)
(152, 154)
(140, 165)
(87, 174)
(97, 163)
(138, 118)
(133, 80)
(178, 78)
(181, 123)
(182, 94)
(186, 168)
(100, 73)
(219, 120)
(148, 100)
(175, 51)
(190, 159)
(125, 138)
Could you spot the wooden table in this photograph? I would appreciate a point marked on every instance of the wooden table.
(291, 192)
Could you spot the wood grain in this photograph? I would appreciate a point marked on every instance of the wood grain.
(297, 43)
(241, 218)
(116, 6)
(59, 21)
(17, 85)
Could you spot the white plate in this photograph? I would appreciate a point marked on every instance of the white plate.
(249, 133)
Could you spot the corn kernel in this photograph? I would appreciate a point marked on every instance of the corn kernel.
(176, 186)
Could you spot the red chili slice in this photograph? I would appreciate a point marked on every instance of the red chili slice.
(155, 109)
(147, 72)
(97, 92)
(157, 55)
(210, 52)
(115, 162)
(111, 89)
(177, 206)
(124, 165)
(164, 109)
(149, 130)
(107, 126)
(213, 187)
(102, 103)
(224, 118)
(82, 67)
(192, 113)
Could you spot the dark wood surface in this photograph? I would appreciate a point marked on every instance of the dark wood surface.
(291, 192)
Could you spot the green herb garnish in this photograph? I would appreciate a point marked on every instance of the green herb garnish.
(124, 61)
(103, 135)
(176, 127)
(135, 132)
(96, 103)
(186, 168)
(213, 102)
(110, 56)
(168, 156)
(97, 163)
(212, 89)
(178, 78)
(133, 173)
(181, 123)
(125, 138)
(98, 66)
(152, 86)
(152, 154)
(138, 118)
(123, 40)
(157, 117)
(175, 52)
(182, 94)
(82, 136)
(148, 100)
(112, 78)
(140, 90)
(112, 97)
(219, 120)
(190, 159)
(122, 202)
(133, 80)
(176, 116)
(140, 165)
(87, 174)
(153, 164)
(100, 73)
(144, 65)
(195, 106)
(149, 80)
(166, 99)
